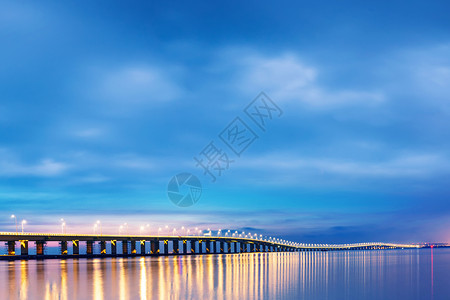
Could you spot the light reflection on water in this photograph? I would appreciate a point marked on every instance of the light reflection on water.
(385, 274)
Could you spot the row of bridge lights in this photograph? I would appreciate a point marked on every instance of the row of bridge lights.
(97, 228)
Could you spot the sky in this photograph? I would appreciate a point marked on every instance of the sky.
(102, 103)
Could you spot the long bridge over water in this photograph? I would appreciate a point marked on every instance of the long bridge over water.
(151, 245)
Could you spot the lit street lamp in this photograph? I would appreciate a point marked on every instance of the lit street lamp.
(15, 218)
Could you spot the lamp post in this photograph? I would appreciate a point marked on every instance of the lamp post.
(95, 227)
(63, 226)
(101, 229)
(23, 223)
(15, 218)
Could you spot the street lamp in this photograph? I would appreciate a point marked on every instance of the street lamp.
(23, 223)
(141, 229)
(15, 218)
(120, 229)
(101, 229)
(95, 227)
(63, 226)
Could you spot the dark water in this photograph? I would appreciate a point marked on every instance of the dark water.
(384, 274)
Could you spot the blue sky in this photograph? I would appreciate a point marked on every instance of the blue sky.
(102, 103)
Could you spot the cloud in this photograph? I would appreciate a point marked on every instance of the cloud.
(287, 78)
(410, 165)
(89, 132)
(134, 85)
(426, 74)
(47, 167)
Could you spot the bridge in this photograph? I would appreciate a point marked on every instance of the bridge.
(151, 245)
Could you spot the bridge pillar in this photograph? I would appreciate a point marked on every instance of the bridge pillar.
(89, 247)
(114, 247)
(76, 247)
(11, 248)
(213, 246)
(221, 247)
(192, 246)
(24, 247)
(154, 247)
(208, 246)
(184, 246)
(200, 246)
(175, 245)
(241, 244)
(102, 247)
(124, 247)
(40, 247)
(133, 247)
(228, 247)
(166, 246)
(142, 242)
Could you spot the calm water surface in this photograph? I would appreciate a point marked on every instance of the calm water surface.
(384, 274)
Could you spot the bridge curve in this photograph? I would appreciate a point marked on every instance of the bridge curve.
(144, 245)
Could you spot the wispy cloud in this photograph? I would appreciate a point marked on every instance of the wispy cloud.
(288, 79)
(132, 86)
(409, 165)
(10, 165)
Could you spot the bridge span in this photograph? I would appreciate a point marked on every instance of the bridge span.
(151, 245)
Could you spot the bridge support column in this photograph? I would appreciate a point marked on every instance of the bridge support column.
(11, 248)
(175, 245)
(200, 246)
(40, 247)
(142, 242)
(124, 247)
(229, 247)
(154, 247)
(89, 247)
(241, 250)
(208, 246)
(23, 247)
(102, 247)
(221, 247)
(193, 246)
(166, 246)
(76, 247)
(133, 247)
(184, 246)
(114, 247)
